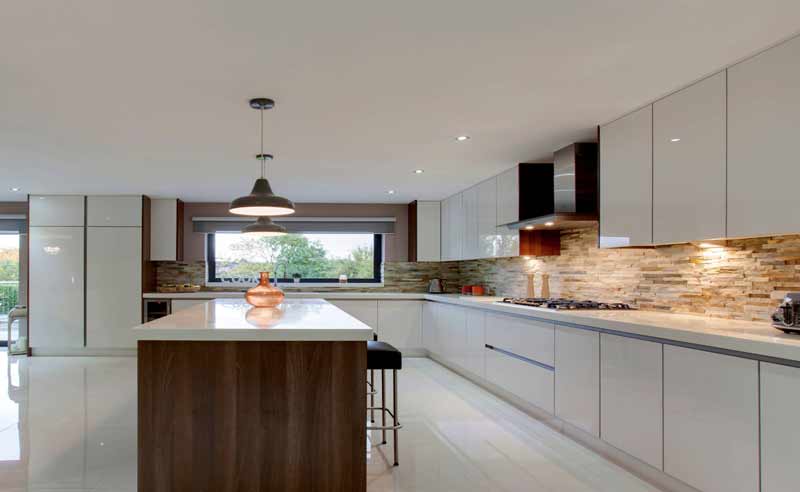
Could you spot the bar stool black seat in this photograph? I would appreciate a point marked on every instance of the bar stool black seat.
(383, 357)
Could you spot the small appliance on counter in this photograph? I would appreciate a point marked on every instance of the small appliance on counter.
(436, 286)
(787, 317)
(473, 290)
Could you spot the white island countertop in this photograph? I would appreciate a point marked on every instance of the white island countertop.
(235, 320)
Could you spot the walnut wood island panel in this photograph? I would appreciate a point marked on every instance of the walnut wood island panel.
(237, 399)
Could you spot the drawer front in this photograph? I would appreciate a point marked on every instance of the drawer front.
(527, 381)
(529, 338)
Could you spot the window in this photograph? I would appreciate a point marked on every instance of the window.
(235, 257)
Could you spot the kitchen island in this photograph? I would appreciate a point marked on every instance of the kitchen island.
(239, 398)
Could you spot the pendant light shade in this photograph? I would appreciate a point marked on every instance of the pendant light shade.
(264, 227)
(262, 201)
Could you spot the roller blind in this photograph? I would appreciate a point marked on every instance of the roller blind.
(13, 224)
(316, 225)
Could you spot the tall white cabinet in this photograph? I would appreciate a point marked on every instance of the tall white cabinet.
(56, 284)
(86, 263)
(689, 163)
(763, 118)
(113, 270)
(626, 180)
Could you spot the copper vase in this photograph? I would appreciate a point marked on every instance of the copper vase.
(264, 294)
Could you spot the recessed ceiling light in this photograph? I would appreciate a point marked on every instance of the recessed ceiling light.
(419, 171)
(391, 192)
(528, 228)
(462, 138)
(675, 140)
(549, 224)
(14, 189)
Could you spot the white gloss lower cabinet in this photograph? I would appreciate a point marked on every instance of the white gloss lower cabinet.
(364, 311)
(631, 376)
(400, 323)
(711, 437)
(113, 286)
(528, 338)
(453, 334)
(780, 434)
(429, 328)
(474, 359)
(577, 378)
(56, 284)
(524, 380)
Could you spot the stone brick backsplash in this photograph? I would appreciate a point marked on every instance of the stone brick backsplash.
(743, 280)
(397, 277)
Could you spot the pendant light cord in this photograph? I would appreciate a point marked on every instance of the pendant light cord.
(263, 158)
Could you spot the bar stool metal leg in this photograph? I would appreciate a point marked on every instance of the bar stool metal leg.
(394, 413)
(372, 396)
(383, 405)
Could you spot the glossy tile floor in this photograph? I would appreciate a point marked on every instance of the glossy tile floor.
(69, 424)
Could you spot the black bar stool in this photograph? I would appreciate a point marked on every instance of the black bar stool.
(382, 356)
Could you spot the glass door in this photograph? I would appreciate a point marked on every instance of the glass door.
(9, 281)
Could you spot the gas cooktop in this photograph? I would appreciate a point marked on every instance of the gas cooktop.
(564, 304)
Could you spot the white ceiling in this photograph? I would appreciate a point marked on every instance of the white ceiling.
(120, 96)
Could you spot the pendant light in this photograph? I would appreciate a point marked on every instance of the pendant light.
(262, 201)
(264, 227)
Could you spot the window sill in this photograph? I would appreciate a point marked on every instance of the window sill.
(304, 286)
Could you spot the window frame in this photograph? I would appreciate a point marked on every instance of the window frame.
(377, 261)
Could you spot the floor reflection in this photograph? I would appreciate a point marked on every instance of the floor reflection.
(69, 424)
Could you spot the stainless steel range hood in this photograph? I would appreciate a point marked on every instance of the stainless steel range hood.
(575, 195)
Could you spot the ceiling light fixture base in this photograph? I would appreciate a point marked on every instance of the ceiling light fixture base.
(264, 157)
(262, 103)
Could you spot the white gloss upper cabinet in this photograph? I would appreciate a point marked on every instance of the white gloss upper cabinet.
(469, 204)
(114, 211)
(165, 224)
(453, 235)
(689, 163)
(626, 179)
(508, 196)
(780, 435)
(365, 311)
(56, 286)
(577, 378)
(711, 420)
(113, 286)
(631, 397)
(763, 118)
(446, 228)
(56, 210)
(487, 219)
(400, 323)
(429, 230)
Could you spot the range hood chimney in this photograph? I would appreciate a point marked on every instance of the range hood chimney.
(575, 197)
